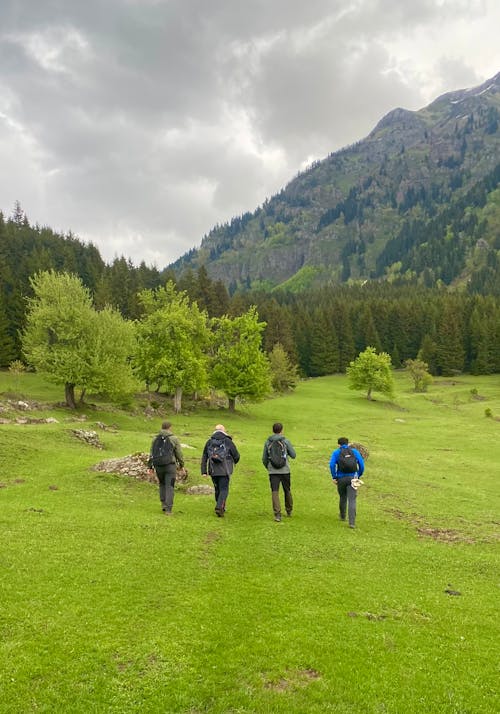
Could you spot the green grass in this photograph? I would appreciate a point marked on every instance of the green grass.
(108, 606)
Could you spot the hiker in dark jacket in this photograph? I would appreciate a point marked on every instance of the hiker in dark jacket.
(218, 459)
(166, 467)
(343, 475)
(279, 473)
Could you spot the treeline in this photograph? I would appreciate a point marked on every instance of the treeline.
(26, 250)
(321, 331)
(324, 330)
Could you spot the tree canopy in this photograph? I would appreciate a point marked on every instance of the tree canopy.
(371, 372)
(172, 340)
(66, 339)
(239, 366)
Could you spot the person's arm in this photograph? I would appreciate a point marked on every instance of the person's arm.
(265, 454)
(361, 463)
(204, 459)
(333, 464)
(150, 460)
(235, 454)
(289, 449)
(179, 456)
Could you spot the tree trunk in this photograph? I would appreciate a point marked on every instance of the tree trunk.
(369, 394)
(82, 395)
(178, 400)
(69, 392)
(232, 403)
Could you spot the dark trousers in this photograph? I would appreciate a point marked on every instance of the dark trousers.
(166, 477)
(347, 497)
(275, 480)
(221, 485)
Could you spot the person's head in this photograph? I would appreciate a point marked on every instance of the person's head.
(342, 441)
(166, 425)
(220, 427)
(277, 428)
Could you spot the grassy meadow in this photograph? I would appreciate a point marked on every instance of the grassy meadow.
(106, 605)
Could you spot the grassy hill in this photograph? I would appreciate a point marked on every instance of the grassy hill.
(108, 606)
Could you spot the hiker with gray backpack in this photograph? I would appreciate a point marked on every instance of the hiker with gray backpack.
(346, 468)
(217, 461)
(277, 449)
(165, 454)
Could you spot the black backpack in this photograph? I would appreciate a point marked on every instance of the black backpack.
(217, 451)
(276, 450)
(347, 462)
(162, 452)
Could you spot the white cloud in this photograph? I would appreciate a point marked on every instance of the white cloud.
(140, 124)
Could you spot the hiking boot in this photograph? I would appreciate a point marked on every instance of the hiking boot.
(289, 514)
(277, 519)
(219, 512)
(351, 525)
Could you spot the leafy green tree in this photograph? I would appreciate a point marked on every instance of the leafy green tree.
(239, 367)
(418, 370)
(284, 374)
(112, 342)
(72, 344)
(172, 339)
(371, 372)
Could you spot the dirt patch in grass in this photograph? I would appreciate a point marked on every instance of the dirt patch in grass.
(292, 679)
(446, 535)
(424, 530)
(209, 542)
(211, 537)
(16, 482)
(412, 614)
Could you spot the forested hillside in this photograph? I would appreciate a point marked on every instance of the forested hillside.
(417, 199)
(321, 330)
(392, 243)
(26, 249)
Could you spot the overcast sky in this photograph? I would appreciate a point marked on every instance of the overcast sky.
(140, 124)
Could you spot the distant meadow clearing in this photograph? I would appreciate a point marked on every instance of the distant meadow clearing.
(106, 605)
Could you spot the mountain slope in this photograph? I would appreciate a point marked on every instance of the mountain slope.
(409, 199)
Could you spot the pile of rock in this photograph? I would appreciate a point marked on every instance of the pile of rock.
(362, 449)
(89, 437)
(134, 465)
(28, 420)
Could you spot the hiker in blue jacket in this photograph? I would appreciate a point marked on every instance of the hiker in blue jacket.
(277, 449)
(346, 463)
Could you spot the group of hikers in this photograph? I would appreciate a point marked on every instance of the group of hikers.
(220, 455)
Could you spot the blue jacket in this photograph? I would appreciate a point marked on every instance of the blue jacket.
(334, 463)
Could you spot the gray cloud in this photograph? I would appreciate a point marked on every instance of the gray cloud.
(140, 124)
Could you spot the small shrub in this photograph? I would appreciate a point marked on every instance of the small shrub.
(17, 367)
(488, 413)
